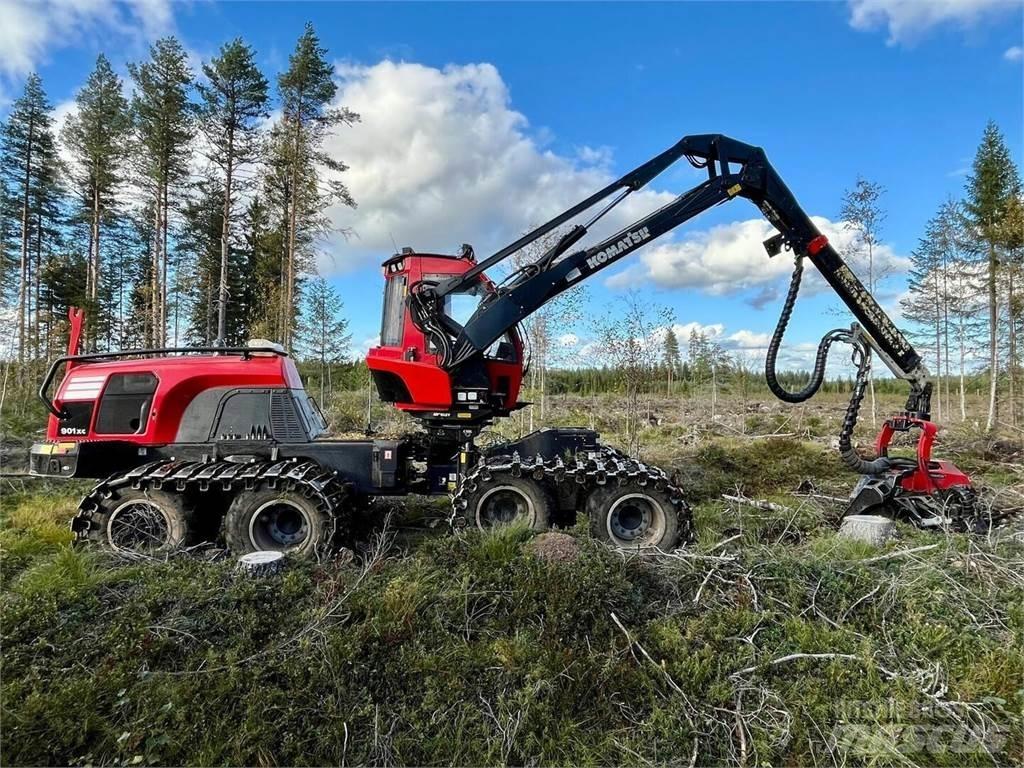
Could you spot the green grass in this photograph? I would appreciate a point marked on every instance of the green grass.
(468, 649)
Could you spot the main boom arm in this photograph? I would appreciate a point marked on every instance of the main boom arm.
(734, 170)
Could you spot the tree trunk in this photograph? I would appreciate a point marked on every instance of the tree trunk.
(163, 267)
(963, 357)
(23, 278)
(293, 221)
(154, 277)
(225, 235)
(993, 348)
(938, 351)
(1011, 363)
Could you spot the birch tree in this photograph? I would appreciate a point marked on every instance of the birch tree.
(861, 212)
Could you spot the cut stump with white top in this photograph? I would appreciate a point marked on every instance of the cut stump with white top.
(262, 563)
(871, 529)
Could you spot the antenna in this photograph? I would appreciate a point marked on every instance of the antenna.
(393, 241)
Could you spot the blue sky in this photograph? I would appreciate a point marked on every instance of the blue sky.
(482, 119)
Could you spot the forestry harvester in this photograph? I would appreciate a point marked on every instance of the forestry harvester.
(193, 443)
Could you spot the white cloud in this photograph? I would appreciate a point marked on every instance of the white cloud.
(909, 20)
(568, 340)
(730, 258)
(441, 158)
(1014, 53)
(31, 30)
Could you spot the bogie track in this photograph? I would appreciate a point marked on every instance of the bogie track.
(581, 478)
(317, 491)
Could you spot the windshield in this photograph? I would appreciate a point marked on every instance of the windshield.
(461, 306)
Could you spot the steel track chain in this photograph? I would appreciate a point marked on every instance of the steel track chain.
(588, 469)
(302, 475)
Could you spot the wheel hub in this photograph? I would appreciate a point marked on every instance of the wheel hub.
(630, 518)
(504, 505)
(279, 522)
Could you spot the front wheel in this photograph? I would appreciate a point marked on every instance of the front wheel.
(634, 517)
(509, 501)
(277, 521)
(142, 522)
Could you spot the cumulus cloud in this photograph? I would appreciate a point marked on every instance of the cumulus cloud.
(730, 258)
(1014, 53)
(440, 157)
(31, 29)
(909, 20)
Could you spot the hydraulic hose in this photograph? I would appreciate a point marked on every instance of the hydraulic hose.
(847, 451)
(861, 357)
(818, 374)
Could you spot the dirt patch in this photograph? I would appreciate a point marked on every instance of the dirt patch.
(554, 547)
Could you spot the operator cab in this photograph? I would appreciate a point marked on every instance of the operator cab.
(405, 365)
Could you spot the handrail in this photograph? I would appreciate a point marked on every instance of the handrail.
(95, 357)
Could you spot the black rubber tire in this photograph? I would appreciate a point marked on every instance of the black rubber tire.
(612, 508)
(111, 528)
(530, 495)
(254, 522)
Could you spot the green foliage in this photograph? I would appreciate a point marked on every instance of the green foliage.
(756, 466)
(992, 185)
(471, 650)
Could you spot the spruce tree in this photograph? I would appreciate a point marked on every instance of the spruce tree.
(164, 128)
(306, 90)
(200, 241)
(233, 102)
(96, 136)
(324, 331)
(991, 187)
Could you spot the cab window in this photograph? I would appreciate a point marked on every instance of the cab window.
(393, 322)
(125, 404)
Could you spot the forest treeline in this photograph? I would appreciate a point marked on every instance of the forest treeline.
(178, 214)
(184, 207)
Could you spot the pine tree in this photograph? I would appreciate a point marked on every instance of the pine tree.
(233, 102)
(8, 243)
(97, 138)
(991, 187)
(28, 162)
(324, 331)
(164, 128)
(306, 90)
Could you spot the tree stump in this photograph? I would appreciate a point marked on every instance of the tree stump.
(871, 529)
(262, 563)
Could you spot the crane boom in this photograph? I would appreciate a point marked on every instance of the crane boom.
(734, 170)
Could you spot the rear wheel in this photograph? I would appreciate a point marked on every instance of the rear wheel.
(632, 517)
(142, 522)
(277, 521)
(510, 501)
